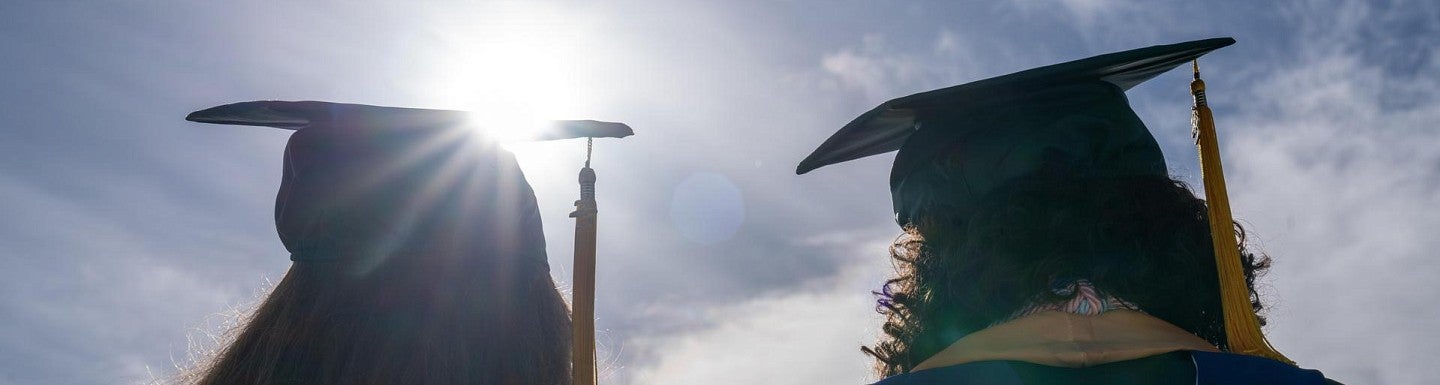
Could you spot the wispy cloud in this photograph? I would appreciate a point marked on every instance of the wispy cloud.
(799, 337)
(1335, 163)
(127, 228)
(879, 69)
(1084, 13)
(1332, 160)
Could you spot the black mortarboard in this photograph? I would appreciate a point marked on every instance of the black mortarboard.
(372, 181)
(957, 144)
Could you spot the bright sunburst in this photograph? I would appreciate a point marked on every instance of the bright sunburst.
(516, 66)
(513, 65)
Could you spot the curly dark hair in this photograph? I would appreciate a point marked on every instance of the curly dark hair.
(1143, 239)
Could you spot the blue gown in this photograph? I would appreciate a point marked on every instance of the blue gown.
(1180, 367)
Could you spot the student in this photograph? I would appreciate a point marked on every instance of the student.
(418, 257)
(1044, 240)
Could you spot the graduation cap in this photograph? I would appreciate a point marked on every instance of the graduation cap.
(297, 115)
(1069, 117)
(1068, 120)
(368, 181)
(363, 181)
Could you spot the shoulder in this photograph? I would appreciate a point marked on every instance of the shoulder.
(1181, 367)
(1164, 369)
(984, 372)
(1228, 368)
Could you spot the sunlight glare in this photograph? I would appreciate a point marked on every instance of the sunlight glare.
(516, 66)
(514, 72)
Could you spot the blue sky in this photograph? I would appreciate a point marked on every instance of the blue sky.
(132, 236)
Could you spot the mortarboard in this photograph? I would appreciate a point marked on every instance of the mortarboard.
(1068, 120)
(1064, 119)
(369, 181)
(363, 180)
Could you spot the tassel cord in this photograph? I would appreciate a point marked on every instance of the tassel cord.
(1242, 327)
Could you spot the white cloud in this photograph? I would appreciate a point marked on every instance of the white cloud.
(1334, 164)
(880, 69)
(1340, 185)
(132, 233)
(871, 69)
(1085, 13)
(806, 337)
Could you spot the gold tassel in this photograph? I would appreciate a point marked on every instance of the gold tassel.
(582, 353)
(1242, 327)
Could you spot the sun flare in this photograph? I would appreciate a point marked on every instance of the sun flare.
(515, 70)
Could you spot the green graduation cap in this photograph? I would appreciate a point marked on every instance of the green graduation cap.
(1069, 119)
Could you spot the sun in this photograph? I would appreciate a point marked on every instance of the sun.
(515, 67)
(513, 87)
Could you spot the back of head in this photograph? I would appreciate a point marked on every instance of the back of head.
(418, 258)
(420, 318)
(1015, 189)
(1142, 239)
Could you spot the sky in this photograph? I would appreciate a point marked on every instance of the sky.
(132, 237)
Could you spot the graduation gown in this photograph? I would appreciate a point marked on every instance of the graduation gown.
(1179, 367)
(1116, 347)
